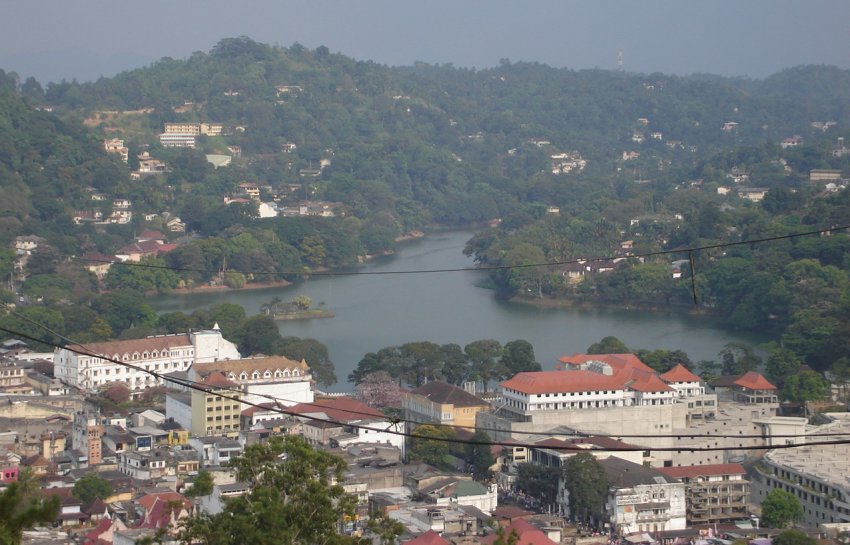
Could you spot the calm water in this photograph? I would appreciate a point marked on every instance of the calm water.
(373, 312)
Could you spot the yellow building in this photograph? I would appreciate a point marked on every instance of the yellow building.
(213, 414)
(442, 403)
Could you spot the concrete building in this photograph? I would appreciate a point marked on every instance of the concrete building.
(285, 381)
(715, 493)
(815, 474)
(438, 402)
(213, 414)
(640, 499)
(605, 394)
(87, 437)
(84, 367)
(343, 420)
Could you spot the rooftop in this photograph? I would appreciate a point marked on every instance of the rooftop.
(444, 393)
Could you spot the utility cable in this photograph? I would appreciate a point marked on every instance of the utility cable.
(483, 268)
(276, 400)
(575, 448)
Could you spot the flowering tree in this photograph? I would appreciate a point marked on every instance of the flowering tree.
(379, 390)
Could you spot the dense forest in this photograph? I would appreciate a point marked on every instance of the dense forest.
(554, 165)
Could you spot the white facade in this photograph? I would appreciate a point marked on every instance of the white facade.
(486, 502)
(816, 475)
(160, 354)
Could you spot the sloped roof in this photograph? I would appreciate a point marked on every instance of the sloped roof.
(527, 532)
(428, 538)
(649, 382)
(249, 365)
(342, 409)
(624, 474)
(679, 373)
(442, 392)
(217, 380)
(540, 382)
(108, 348)
(754, 381)
(618, 362)
(691, 472)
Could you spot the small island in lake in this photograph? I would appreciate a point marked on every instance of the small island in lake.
(297, 309)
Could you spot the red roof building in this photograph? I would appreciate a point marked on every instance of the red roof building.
(527, 533)
(428, 538)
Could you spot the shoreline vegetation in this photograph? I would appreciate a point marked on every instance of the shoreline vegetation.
(598, 303)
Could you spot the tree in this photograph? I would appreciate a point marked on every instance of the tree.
(587, 485)
(542, 481)
(202, 485)
(807, 385)
(484, 356)
(117, 393)
(428, 444)
(384, 528)
(22, 505)
(738, 358)
(780, 508)
(90, 487)
(479, 455)
(781, 364)
(518, 356)
(379, 390)
(608, 345)
(794, 537)
(295, 497)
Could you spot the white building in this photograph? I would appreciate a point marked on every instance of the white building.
(640, 499)
(815, 474)
(262, 379)
(88, 371)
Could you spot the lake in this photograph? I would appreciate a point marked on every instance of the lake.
(375, 311)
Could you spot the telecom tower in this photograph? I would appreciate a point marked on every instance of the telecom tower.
(620, 62)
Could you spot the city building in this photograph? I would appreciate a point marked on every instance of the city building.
(84, 367)
(640, 499)
(438, 402)
(815, 474)
(212, 413)
(262, 379)
(715, 493)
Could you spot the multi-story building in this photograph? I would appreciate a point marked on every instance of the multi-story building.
(87, 437)
(640, 499)
(715, 493)
(815, 474)
(116, 145)
(437, 402)
(607, 394)
(177, 140)
(216, 407)
(262, 379)
(84, 367)
(343, 420)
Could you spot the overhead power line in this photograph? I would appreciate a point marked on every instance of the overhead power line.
(685, 250)
(283, 411)
(575, 435)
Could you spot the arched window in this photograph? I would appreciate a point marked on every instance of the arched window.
(243, 375)
(286, 372)
(296, 373)
(255, 375)
(267, 374)
(135, 355)
(277, 373)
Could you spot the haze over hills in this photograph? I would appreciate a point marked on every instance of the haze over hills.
(725, 37)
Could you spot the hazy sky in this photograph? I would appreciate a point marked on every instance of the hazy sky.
(89, 38)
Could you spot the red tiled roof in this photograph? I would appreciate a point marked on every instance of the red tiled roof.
(691, 472)
(527, 532)
(618, 362)
(343, 409)
(649, 383)
(217, 380)
(148, 500)
(541, 382)
(679, 373)
(754, 381)
(428, 538)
